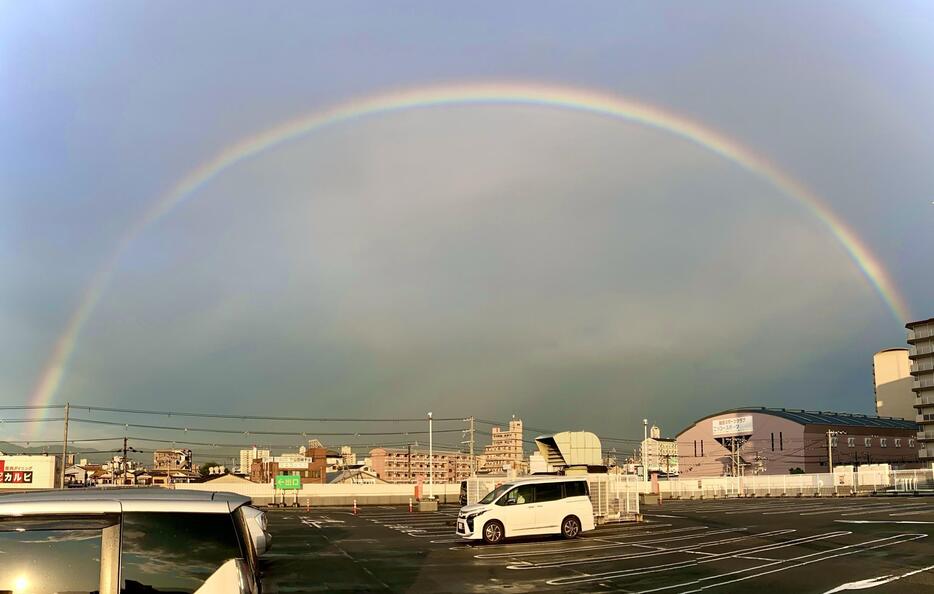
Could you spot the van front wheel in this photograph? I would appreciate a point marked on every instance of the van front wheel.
(493, 532)
(570, 527)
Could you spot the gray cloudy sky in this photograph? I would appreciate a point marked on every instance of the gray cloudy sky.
(485, 260)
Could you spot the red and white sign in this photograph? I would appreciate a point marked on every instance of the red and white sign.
(27, 472)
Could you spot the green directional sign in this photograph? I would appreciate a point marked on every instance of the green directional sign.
(288, 482)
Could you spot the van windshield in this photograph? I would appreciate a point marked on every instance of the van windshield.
(495, 493)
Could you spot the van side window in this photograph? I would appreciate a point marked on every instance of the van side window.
(547, 492)
(575, 489)
(521, 495)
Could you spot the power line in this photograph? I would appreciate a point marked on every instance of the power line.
(251, 432)
(175, 413)
(32, 407)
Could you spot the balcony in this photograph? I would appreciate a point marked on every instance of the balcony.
(925, 435)
(920, 333)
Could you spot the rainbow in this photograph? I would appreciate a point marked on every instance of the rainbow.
(532, 95)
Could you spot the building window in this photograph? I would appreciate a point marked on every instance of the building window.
(773, 442)
(867, 441)
(702, 448)
(898, 442)
(833, 441)
(883, 442)
(781, 441)
(851, 442)
(695, 448)
(911, 443)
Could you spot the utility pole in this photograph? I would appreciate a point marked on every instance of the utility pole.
(65, 445)
(470, 442)
(830, 435)
(124, 459)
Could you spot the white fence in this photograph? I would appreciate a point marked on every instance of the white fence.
(615, 497)
(339, 494)
(845, 480)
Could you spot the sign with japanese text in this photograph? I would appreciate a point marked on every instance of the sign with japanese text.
(732, 426)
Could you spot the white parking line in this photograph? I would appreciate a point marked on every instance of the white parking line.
(624, 556)
(873, 582)
(820, 556)
(877, 510)
(565, 548)
(914, 513)
(638, 571)
(883, 522)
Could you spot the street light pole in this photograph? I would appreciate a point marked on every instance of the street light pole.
(431, 461)
(645, 465)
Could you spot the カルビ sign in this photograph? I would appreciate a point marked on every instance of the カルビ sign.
(14, 474)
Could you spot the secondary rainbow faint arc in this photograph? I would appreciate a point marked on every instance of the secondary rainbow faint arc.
(534, 94)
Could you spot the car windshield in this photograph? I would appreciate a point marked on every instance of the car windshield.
(495, 493)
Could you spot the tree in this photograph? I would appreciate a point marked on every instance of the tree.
(795, 470)
(206, 467)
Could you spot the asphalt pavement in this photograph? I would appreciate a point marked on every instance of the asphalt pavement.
(739, 545)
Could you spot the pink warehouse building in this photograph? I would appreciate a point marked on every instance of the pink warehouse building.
(758, 440)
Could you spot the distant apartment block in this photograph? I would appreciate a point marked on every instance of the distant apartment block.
(660, 453)
(310, 466)
(921, 353)
(171, 460)
(408, 465)
(505, 451)
(891, 374)
(248, 456)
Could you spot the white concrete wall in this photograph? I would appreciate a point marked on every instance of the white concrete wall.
(340, 494)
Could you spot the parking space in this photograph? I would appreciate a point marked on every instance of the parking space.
(778, 545)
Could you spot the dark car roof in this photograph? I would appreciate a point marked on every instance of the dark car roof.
(126, 494)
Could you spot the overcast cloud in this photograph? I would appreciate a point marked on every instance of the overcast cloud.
(577, 271)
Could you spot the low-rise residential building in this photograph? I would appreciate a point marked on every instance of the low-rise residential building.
(408, 465)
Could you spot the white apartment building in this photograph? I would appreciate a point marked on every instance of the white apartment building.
(921, 353)
(247, 457)
(505, 452)
(660, 453)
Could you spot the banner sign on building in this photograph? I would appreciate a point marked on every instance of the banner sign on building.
(27, 472)
(732, 426)
(288, 482)
(293, 465)
(14, 476)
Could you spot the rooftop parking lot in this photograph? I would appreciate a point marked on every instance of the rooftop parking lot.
(770, 545)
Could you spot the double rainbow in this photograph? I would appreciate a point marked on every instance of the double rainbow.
(536, 95)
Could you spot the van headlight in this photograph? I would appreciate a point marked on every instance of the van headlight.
(472, 515)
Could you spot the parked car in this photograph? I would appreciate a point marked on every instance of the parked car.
(128, 541)
(552, 505)
(259, 528)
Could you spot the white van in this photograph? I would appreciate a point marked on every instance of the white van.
(523, 507)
